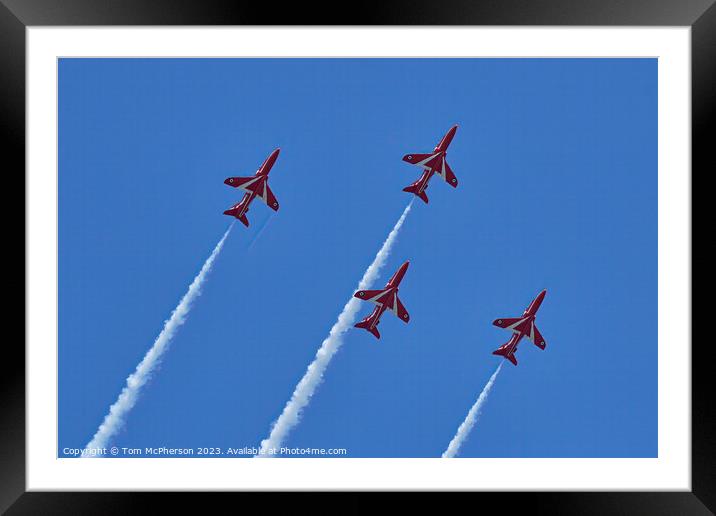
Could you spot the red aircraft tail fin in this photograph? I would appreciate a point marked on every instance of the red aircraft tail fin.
(365, 324)
(413, 189)
(502, 351)
(233, 211)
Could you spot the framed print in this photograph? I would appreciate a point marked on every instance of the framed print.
(460, 262)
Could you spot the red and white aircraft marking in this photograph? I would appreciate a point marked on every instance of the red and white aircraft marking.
(521, 327)
(385, 299)
(254, 186)
(434, 163)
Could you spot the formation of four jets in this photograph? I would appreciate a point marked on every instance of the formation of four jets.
(386, 299)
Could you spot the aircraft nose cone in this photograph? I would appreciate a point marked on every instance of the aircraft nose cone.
(540, 296)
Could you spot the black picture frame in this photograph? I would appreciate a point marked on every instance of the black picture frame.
(700, 15)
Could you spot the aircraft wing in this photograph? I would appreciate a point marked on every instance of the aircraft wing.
(399, 310)
(268, 197)
(374, 296)
(426, 161)
(507, 322)
(446, 173)
(239, 182)
(536, 337)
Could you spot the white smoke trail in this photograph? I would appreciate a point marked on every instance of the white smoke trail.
(314, 374)
(117, 414)
(464, 430)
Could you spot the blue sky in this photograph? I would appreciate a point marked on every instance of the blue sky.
(557, 162)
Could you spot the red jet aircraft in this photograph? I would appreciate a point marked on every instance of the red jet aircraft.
(254, 186)
(434, 163)
(521, 327)
(386, 299)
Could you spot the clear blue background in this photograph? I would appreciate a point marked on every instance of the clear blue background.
(557, 162)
